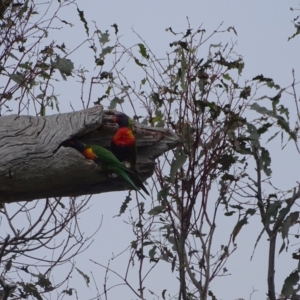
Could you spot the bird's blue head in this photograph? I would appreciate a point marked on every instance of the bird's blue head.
(77, 144)
(122, 120)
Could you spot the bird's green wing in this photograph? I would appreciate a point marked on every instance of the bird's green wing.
(107, 158)
(112, 164)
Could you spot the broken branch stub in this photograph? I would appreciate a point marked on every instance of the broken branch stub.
(35, 165)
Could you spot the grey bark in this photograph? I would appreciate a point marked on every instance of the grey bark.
(35, 165)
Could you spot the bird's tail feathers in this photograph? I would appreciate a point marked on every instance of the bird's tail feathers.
(125, 176)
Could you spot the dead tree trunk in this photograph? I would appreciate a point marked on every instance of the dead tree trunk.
(35, 165)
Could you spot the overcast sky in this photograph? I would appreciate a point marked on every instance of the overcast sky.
(263, 28)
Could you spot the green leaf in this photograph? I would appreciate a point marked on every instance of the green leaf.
(271, 212)
(143, 82)
(241, 66)
(214, 109)
(139, 224)
(273, 136)
(261, 78)
(284, 111)
(69, 292)
(167, 230)
(282, 247)
(83, 20)
(18, 78)
(13, 56)
(215, 45)
(226, 161)
(154, 97)
(288, 286)
(158, 120)
(163, 294)
(270, 196)
(253, 134)
(229, 213)
(26, 66)
(187, 132)
(290, 220)
(124, 205)
(23, 10)
(177, 162)
(172, 241)
(104, 37)
(141, 207)
(143, 51)
(297, 26)
(99, 61)
(156, 210)
(237, 228)
(173, 261)
(264, 128)
(99, 99)
(2, 68)
(227, 76)
(8, 265)
(265, 161)
(261, 109)
(106, 51)
(286, 127)
(65, 66)
(246, 92)
(250, 211)
(31, 290)
(269, 81)
(86, 278)
(115, 26)
(152, 252)
(213, 297)
(239, 207)
(183, 45)
(114, 102)
(138, 63)
(163, 193)
(228, 177)
(257, 240)
(44, 281)
(147, 243)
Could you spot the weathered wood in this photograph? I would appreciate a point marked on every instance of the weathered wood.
(34, 164)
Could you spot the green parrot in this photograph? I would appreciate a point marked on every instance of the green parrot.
(109, 163)
(123, 145)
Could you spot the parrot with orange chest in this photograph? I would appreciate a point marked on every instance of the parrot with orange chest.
(123, 144)
(108, 161)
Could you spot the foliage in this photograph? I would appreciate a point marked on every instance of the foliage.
(221, 166)
(35, 227)
(39, 238)
(28, 60)
(296, 24)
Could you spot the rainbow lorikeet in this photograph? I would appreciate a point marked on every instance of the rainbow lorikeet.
(109, 163)
(123, 143)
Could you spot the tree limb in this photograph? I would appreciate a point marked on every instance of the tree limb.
(35, 165)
